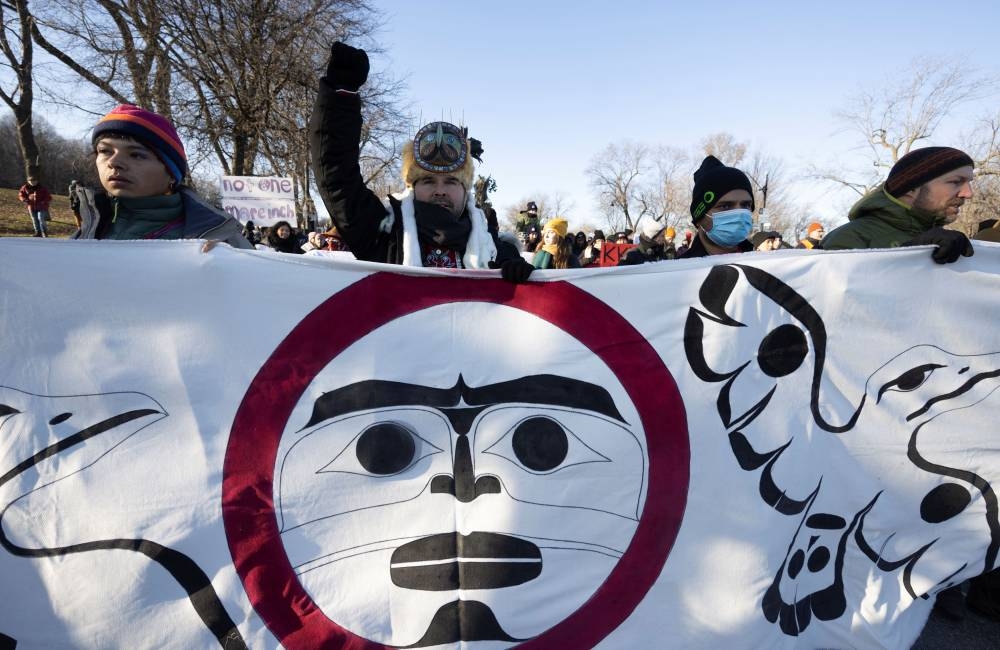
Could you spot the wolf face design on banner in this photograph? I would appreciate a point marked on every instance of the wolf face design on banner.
(929, 518)
(458, 502)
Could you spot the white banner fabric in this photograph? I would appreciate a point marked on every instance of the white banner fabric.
(234, 448)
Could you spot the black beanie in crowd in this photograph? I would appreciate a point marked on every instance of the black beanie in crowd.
(711, 182)
(923, 165)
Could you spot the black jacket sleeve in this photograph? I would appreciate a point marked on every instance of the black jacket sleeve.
(505, 251)
(335, 134)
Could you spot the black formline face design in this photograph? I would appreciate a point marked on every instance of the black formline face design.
(459, 508)
(902, 430)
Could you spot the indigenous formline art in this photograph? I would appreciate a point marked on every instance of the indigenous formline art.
(81, 430)
(911, 403)
(416, 483)
(394, 446)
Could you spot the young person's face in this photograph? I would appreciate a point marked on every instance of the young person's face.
(130, 170)
(551, 237)
(284, 232)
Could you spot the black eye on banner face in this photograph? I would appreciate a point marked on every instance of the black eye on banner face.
(540, 444)
(386, 448)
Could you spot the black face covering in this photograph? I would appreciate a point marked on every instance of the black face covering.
(438, 226)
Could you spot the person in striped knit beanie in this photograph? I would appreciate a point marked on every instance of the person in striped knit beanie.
(924, 191)
(142, 165)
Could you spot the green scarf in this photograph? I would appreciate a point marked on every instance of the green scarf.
(147, 217)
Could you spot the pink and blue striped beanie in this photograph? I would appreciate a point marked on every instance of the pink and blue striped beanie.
(152, 130)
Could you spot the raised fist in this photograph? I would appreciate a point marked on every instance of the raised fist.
(347, 68)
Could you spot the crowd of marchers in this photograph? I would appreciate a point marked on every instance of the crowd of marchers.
(435, 222)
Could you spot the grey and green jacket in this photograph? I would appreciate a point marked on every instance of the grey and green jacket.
(201, 221)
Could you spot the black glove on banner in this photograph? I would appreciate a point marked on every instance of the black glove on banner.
(348, 67)
(950, 244)
(516, 270)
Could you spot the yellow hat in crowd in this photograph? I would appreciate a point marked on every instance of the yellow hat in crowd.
(558, 224)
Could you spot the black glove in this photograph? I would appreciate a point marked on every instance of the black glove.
(950, 244)
(348, 67)
(515, 270)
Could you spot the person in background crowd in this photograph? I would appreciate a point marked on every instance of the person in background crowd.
(251, 234)
(332, 241)
(142, 164)
(283, 240)
(312, 243)
(656, 243)
(592, 253)
(579, 243)
(37, 197)
(622, 238)
(527, 218)
(766, 241)
(814, 235)
(686, 244)
(556, 250)
(721, 210)
(669, 235)
(435, 222)
(532, 238)
(74, 202)
(924, 191)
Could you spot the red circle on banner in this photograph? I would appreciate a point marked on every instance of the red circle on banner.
(247, 485)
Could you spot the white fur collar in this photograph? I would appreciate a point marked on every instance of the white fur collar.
(479, 249)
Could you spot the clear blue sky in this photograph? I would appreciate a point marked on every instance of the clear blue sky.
(547, 85)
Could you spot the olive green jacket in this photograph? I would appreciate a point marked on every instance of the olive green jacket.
(879, 220)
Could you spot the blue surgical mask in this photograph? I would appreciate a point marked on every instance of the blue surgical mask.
(731, 227)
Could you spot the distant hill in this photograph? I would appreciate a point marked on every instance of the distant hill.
(15, 222)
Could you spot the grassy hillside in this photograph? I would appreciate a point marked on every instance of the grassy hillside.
(15, 222)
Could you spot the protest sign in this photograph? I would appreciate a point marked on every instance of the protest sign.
(265, 200)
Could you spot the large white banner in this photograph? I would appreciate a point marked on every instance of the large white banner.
(793, 449)
(265, 200)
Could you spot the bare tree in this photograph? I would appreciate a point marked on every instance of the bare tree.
(982, 143)
(903, 112)
(119, 47)
(666, 195)
(18, 51)
(237, 77)
(617, 174)
(725, 147)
